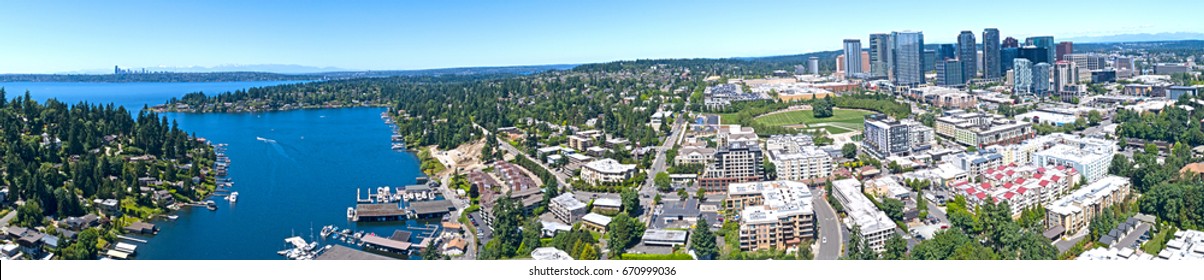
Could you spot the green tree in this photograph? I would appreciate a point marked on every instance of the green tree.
(631, 202)
(431, 253)
(663, 183)
(859, 248)
(896, 248)
(30, 214)
(771, 170)
(84, 246)
(893, 208)
(702, 241)
(849, 150)
(623, 232)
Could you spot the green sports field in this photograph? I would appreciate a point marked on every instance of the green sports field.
(840, 121)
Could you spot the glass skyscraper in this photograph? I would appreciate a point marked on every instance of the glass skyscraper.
(852, 57)
(1007, 56)
(1046, 42)
(880, 54)
(946, 51)
(991, 68)
(909, 58)
(967, 53)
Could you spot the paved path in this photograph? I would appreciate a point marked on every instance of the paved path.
(8, 218)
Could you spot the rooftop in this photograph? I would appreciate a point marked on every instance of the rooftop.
(340, 252)
(596, 219)
(780, 199)
(860, 209)
(568, 201)
(1087, 194)
(607, 165)
(549, 254)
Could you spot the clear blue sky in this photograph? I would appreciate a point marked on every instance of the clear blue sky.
(61, 36)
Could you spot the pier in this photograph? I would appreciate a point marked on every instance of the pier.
(123, 237)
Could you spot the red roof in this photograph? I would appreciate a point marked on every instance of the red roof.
(1010, 172)
(1007, 185)
(1009, 195)
(1040, 169)
(970, 190)
(1059, 167)
(1038, 176)
(1055, 178)
(1019, 181)
(998, 176)
(1044, 183)
(1021, 190)
(986, 185)
(981, 195)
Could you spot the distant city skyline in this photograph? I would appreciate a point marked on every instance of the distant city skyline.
(73, 36)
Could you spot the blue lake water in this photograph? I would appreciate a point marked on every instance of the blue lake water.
(130, 95)
(302, 175)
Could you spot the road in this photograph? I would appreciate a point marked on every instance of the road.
(829, 228)
(658, 165)
(8, 218)
(935, 211)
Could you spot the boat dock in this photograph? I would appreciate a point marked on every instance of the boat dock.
(143, 241)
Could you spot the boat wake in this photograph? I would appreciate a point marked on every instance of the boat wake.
(265, 140)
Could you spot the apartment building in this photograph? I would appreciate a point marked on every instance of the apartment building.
(1072, 214)
(796, 157)
(876, 227)
(773, 214)
(981, 130)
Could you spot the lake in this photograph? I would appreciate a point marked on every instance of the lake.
(294, 170)
(130, 95)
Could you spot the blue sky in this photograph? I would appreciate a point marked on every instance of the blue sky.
(62, 36)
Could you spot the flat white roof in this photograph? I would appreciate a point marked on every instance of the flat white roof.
(609, 166)
(861, 209)
(596, 219)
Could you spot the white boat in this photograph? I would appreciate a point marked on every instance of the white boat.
(173, 217)
(350, 212)
(233, 197)
(399, 146)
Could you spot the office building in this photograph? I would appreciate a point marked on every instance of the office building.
(909, 58)
(1010, 42)
(1088, 61)
(796, 158)
(1045, 42)
(773, 215)
(875, 226)
(736, 162)
(606, 171)
(1007, 56)
(1034, 54)
(1103, 76)
(852, 57)
(1174, 92)
(1072, 214)
(929, 61)
(880, 54)
(946, 52)
(967, 53)
(991, 54)
(1064, 48)
(1041, 78)
(950, 73)
(981, 129)
(1022, 76)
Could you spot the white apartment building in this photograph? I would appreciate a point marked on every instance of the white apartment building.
(606, 171)
(567, 208)
(876, 227)
(795, 158)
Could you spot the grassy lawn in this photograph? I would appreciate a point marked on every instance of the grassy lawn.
(852, 118)
(729, 118)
